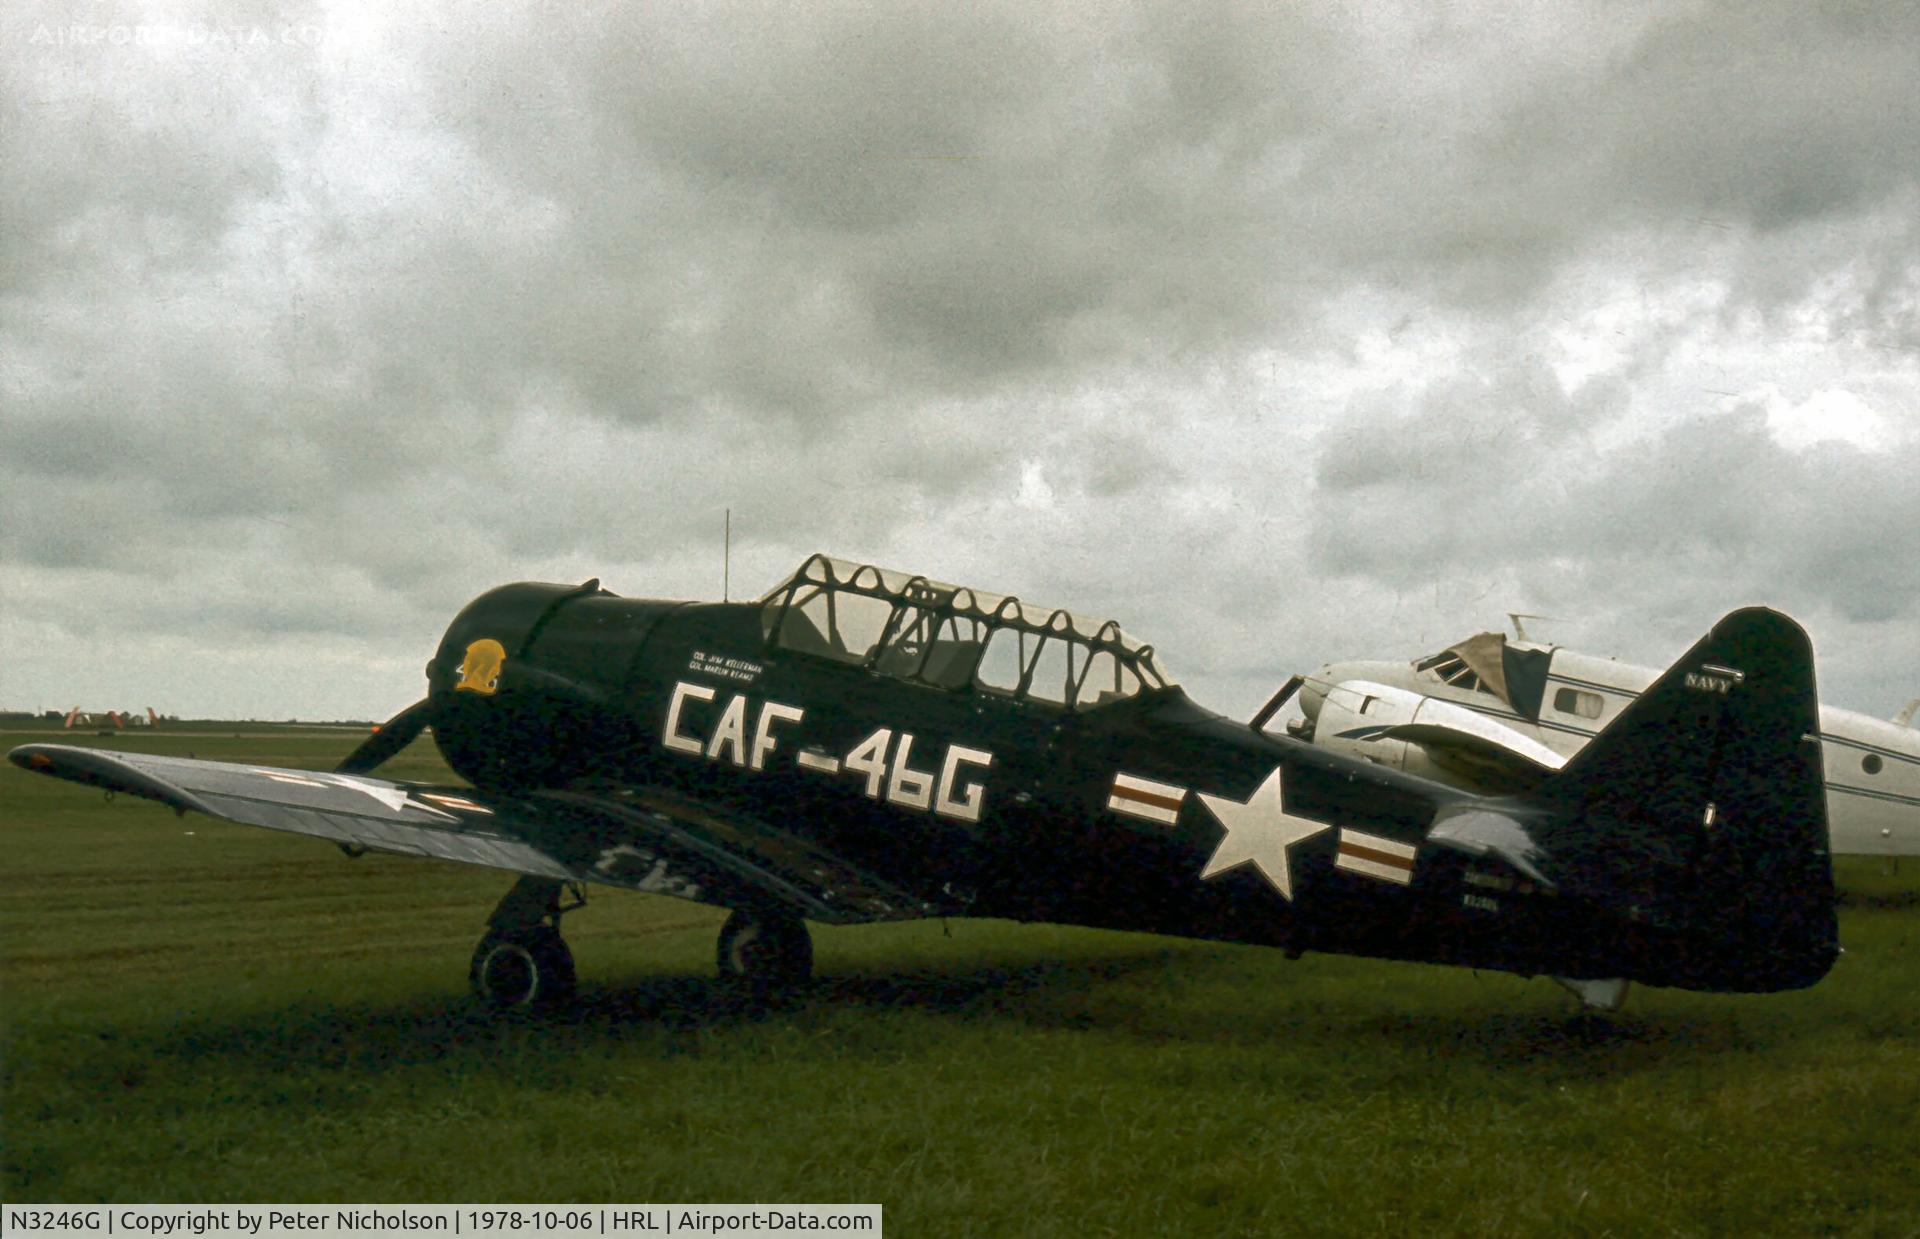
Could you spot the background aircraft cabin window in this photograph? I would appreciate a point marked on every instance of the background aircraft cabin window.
(1107, 679)
(1452, 669)
(1580, 705)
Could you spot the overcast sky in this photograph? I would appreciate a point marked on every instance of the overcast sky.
(1281, 333)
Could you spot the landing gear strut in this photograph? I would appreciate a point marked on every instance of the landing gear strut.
(522, 963)
(764, 953)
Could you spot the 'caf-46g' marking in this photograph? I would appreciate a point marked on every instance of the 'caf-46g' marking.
(879, 757)
(861, 745)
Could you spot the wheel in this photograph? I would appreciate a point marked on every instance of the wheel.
(523, 969)
(764, 953)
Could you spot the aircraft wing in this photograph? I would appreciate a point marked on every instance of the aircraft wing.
(1479, 759)
(1456, 745)
(616, 836)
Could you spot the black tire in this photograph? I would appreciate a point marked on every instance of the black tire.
(523, 969)
(764, 954)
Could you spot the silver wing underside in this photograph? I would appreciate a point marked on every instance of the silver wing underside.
(632, 838)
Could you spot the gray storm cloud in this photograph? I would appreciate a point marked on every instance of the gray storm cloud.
(1246, 325)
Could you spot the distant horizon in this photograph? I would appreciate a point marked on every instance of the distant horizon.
(8, 713)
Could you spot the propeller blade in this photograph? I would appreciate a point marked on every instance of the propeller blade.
(392, 736)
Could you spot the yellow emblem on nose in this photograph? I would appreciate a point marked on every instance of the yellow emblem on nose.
(480, 669)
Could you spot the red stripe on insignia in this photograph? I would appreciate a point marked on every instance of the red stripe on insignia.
(1162, 802)
(1396, 859)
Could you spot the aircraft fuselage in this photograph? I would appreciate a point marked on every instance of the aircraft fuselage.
(1148, 814)
(864, 745)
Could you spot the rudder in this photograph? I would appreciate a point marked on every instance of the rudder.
(1699, 816)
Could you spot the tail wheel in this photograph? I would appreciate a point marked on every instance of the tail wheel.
(523, 969)
(765, 953)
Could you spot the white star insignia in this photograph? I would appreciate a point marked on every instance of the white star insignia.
(395, 798)
(1260, 831)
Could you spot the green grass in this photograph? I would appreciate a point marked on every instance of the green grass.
(195, 1011)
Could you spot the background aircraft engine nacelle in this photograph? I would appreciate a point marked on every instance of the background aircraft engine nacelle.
(1433, 739)
(1358, 718)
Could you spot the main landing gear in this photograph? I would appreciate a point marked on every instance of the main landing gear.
(523, 964)
(763, 954)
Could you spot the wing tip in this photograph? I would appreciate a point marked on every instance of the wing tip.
(99, 768)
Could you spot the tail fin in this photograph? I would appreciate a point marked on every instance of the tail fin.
(1700, 816)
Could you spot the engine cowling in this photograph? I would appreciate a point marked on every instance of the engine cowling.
(530, 684)
(1430, 738)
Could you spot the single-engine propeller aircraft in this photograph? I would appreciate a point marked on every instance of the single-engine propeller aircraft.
(1495, 715)
(863, 745)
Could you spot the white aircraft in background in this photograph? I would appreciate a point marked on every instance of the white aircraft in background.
(1493, 715)
(77, 717)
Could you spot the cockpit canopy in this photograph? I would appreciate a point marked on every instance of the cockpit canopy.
(954, 638)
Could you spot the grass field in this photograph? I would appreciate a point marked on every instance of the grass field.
(197, 1011)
